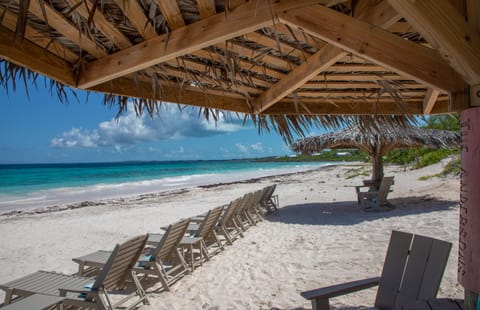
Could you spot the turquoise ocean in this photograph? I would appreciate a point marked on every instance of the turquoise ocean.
(25, 186)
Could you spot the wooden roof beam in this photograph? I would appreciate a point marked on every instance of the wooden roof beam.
(171, 11)
(100, 22)
(206, 32)
(134, 12)
(206, 8)
(9, 21)
(28, 55)
(429, 100)
(376, 45)
(447, 31)
(380, 14)
(65, 27)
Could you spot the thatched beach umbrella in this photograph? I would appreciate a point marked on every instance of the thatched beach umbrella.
(378, 141)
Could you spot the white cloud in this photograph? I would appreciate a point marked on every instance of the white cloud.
(256, 148)
(130, 129)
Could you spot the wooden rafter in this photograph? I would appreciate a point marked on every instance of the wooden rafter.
(35, 58)
(135, 14)
(65, 27)
(381, 15)
(447, 31)
(376, 45)
(9, 21)
(473, 14)
(171, 12)
(206, 8)
(206, 32)
(429, 100)
(100, 22)
(315, 64)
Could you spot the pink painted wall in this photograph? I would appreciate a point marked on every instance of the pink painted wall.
(469, 234)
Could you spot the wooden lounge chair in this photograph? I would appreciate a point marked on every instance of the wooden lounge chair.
(206, 230)
(163, 261)
(87, 292)
(376, 200)
(270, 201)
(412, 271)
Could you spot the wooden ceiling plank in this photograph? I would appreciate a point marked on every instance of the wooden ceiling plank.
(298, 35)
(279, 46)
(473, 14)
(346, 107)
(206, 32)
(315, 64)
(447, 31)
(134, 12)
(171, 93)
(10, 21)
(360, 77)
(381, 14)
(28, 55)
(171, 11)
(429, 100)
(66, 28)
(239, 49)
(101, 23)
(376, 45)
(206, 8)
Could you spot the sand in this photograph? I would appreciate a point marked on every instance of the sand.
(318, 237)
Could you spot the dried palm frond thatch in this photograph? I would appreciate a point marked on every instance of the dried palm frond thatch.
(377, 138)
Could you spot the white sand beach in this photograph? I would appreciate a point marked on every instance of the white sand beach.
(318, 237)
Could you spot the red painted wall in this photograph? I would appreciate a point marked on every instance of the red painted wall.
(469, 234)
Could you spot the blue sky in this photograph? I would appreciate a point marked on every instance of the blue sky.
(40, 129)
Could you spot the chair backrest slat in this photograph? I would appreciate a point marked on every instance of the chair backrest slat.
(116, 270)
(439, 253)
(393, 268)
(170, 240)
(209, 222)
(413, 275)
(413, 270)
(384, 189)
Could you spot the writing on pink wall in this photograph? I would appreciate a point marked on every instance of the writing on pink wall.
(469, 217)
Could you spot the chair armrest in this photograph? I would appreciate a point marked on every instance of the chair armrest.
(340, 289)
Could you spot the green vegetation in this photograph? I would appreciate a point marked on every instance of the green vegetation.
(452, 168)
(419, 157)
(327, 155)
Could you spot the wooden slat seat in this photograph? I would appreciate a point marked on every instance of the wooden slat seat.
(35, 302)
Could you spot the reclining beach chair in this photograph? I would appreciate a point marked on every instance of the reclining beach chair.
(205, 229)
(86, 292)
(412, 271)
(227, 225)
(376, 200)
(163, 261)
(269, 201)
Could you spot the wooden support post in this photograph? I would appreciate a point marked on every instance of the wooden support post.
(469, 231)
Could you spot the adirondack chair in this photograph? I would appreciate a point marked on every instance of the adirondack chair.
(86, 292)
(375, 200)
(412, 271)
(163, 261)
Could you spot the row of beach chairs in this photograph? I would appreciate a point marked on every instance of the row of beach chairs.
(118, 278)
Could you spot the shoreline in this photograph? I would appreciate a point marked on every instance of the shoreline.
(318, 237)
(134, 197)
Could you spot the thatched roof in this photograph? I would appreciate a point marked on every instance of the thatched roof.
(380, 139)
(288, 64)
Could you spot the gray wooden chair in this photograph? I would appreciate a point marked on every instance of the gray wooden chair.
(206, 229)
(86, 292)
(270, 201)
(412, 271)
(376, 200)
(163, 261)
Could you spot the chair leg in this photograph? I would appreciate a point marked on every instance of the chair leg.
(320, 304)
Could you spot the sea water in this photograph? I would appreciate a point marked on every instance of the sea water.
(44, 185)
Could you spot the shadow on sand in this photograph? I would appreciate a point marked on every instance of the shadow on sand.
(350, 213)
